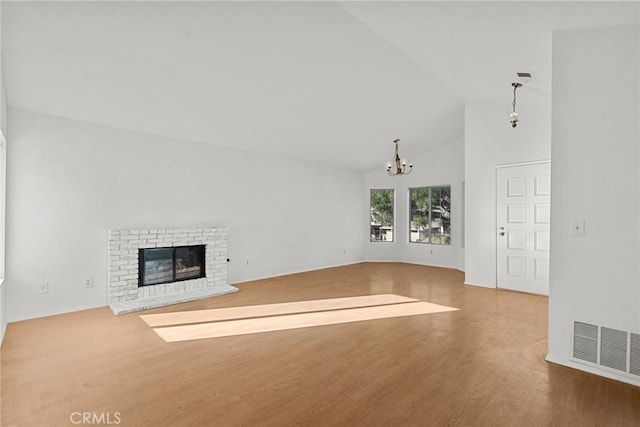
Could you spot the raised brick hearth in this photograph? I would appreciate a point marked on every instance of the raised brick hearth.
(123, 293)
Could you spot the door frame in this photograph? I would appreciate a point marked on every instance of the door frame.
(495, 202)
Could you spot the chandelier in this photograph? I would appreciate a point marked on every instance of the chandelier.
(400, 165)
(514, 115)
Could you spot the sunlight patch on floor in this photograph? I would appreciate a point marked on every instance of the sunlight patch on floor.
(233, 313)
(275, 317)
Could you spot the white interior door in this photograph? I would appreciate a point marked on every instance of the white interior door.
(523, 227)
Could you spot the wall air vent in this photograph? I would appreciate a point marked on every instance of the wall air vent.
(634, 357)
(525, 77)
(613, 349)
(585, 342)
(607, 347)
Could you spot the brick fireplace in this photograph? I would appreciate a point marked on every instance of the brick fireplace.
(123, 293)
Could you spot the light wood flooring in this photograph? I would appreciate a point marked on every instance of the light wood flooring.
(478, 366)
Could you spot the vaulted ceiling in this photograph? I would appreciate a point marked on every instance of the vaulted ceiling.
(328, 82)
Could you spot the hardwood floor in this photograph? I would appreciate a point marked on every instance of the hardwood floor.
(481, 365)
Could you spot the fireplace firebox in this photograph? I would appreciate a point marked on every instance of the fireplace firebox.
(171, 264)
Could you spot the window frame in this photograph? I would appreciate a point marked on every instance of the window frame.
(429, 240)
(393, 220)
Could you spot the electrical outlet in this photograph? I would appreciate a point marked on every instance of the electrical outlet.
(44, 288)
(246, 262)
(88, 283)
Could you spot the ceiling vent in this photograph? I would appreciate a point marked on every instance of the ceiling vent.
(525, 77)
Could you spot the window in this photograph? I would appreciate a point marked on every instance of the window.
(382, 215)
(430, 215)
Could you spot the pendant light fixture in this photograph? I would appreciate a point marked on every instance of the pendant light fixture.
(514, 115)
(400, 165)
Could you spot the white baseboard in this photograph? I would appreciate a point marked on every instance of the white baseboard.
(382, 260)
(344, 264)
(288, 273)
(592, 370)
(480, 286)
(60, 311)
(450, 267)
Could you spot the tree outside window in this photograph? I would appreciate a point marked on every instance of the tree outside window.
(430, 215)
(382, 215)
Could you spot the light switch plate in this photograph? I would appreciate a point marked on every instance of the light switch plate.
(577, 227)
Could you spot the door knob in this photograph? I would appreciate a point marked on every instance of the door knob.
(501, 233)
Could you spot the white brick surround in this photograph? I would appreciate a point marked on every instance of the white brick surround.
(122, 283)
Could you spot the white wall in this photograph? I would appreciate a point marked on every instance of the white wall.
(442, 166)
(3, 176)
(3, 129)
(69, 182)
(595, 151)
(491, 141)
(3, 98)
